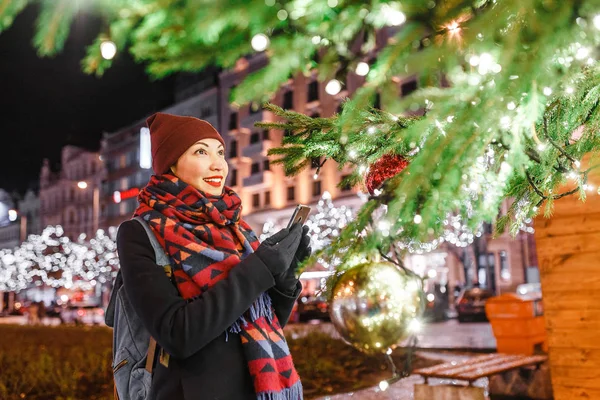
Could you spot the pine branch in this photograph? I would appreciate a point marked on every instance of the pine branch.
(9, 9)
(53, 26)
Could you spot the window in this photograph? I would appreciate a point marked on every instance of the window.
(255, 200)
(313, 91)
(288, 99)
(504, 268)
(267, 198)
(346, 187)
(408, 87)
(266, 165)
(131, 157)
(291, 193)
(233, 149)
(316, 188)
(139, 179)
(255, 168)
(265, 134)
(488, 228)
(315, 162)
(233, 177)
(233, 121)
(254, 138)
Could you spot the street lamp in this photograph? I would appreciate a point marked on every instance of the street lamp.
(96, 204)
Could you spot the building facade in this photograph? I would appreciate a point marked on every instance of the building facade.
(72, 197)
(10, 227)
(29, 208)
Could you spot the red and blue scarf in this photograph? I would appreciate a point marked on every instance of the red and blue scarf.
(205, 237)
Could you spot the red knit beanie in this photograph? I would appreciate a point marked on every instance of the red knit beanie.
(171, 135)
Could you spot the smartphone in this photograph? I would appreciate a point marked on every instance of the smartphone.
(300, 215)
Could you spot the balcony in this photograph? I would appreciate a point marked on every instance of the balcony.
(260, 178)
(249, 120)
(257, 148)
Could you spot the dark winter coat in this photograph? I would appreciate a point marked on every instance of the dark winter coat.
(203, 365)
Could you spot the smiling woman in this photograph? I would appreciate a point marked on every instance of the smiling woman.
(203, 166)
(217, 316)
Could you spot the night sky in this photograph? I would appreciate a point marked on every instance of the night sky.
(46, 104)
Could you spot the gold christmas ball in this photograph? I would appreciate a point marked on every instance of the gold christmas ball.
(373, 305)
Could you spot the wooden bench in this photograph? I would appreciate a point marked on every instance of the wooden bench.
(469, 371)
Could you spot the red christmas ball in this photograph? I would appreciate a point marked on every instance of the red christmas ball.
(386, 167)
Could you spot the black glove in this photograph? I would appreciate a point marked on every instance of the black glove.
(277, 251)
(286, 282)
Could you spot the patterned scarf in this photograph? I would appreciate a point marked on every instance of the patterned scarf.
(205, 238)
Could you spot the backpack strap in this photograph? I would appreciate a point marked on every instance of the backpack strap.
(151, 354)
(163, 260)
(161, 257)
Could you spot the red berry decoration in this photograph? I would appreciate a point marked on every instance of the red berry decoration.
(386, 167)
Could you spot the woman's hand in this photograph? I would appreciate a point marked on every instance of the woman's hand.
(286, 282)
(277, 252)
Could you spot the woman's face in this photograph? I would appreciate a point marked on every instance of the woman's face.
(203, 166)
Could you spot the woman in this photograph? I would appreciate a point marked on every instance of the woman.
(221, 321)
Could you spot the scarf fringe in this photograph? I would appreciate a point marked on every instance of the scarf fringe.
(294, 392)
(260, 308)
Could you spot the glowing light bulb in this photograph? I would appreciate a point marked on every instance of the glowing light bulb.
(333, 87)
(260, 42)
(597, 21)
(362, 69)
(108, 49)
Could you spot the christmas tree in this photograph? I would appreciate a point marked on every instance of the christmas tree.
(509, 93)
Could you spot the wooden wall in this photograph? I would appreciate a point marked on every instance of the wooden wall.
(568, 247)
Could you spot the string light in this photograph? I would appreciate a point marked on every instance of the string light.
(54, 260)
(260, 42)
(454, 29)
(282, 15)
(596, 21)
(333, 87)
(547, 91)
(582, 53)
(108, 49)
(392, 16)
(362, 69)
